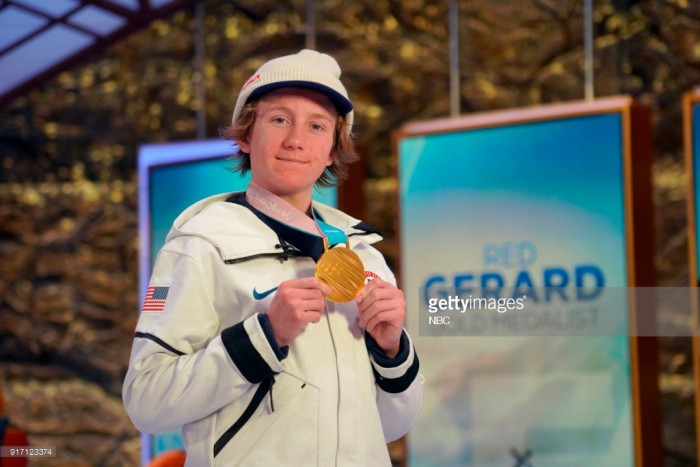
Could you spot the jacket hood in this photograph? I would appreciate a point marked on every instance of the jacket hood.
(237, 232)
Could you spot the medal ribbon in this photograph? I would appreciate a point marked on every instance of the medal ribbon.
(339, 268)
(277, 208)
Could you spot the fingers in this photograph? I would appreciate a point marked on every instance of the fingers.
(290, 293)
(382, 310)
(374, 290)
(380, 300)
(382, 305)
(374, 284)
(297, 302)
(311, 316)
(308, 283)
(372, 319)
(300, 296)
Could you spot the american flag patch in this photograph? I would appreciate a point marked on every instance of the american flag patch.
(155, 299)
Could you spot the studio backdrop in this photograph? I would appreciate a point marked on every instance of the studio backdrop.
(521, 232)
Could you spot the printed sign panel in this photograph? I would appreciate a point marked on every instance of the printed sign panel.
(514, 261)
(691, 117)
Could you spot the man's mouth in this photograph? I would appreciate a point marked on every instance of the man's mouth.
(291, 160)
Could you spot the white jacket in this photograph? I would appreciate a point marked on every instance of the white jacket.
(205, 364)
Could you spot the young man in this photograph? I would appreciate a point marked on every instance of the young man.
(238, 342)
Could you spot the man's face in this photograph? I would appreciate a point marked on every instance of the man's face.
(290, 142)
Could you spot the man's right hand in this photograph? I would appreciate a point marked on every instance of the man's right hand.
(296, 303)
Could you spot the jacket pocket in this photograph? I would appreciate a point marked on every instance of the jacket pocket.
(279, 426)
(258, 396)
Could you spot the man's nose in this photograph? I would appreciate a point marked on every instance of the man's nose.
(294, 137)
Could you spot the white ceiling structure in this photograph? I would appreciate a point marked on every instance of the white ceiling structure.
(41, 38)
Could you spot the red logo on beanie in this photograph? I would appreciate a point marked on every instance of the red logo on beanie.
(251, 81)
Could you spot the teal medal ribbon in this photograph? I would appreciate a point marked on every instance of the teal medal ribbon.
(333, 234)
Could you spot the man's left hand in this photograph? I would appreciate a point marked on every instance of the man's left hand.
(382, 309)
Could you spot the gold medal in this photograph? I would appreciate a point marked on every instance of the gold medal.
(341, 270)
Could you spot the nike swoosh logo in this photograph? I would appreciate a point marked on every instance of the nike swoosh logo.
(260, 295)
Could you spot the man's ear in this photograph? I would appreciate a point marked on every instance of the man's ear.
(243, 145)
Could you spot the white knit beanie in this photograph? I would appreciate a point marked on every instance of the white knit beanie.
(306, 69)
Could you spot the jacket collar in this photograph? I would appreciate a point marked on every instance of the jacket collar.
(236, 232)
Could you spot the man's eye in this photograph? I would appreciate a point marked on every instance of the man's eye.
(279, 120)
(316, 126)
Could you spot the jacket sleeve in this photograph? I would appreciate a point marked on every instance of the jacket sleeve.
(399, 383)
(399, 387)
(182, 368)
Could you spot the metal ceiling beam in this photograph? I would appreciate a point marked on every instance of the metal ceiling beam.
(135, 20)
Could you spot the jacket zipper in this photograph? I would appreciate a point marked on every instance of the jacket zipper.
(264, 387)
(256, 256)
(287, 252)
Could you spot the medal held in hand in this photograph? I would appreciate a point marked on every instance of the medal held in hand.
(341, 270)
